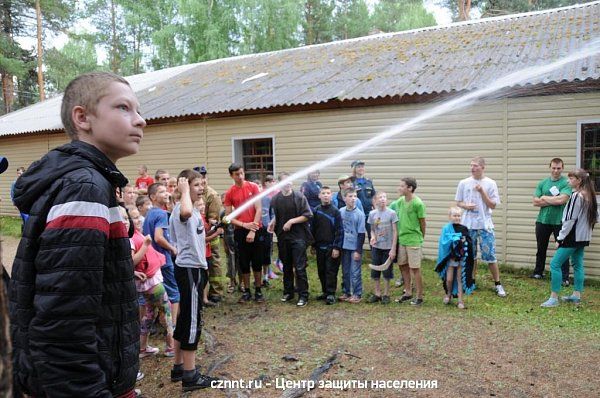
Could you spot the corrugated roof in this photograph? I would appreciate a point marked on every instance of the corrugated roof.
(456, 57)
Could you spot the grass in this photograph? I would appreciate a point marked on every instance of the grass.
(496, 347)
(10, 226)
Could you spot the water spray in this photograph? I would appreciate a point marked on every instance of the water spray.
(460, 102)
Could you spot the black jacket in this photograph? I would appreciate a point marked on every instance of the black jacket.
(326, 227)
(73, 302)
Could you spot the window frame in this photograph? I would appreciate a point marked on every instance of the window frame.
(237, 150)
(579, 157)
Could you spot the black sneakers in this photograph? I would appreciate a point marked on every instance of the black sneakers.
(246, 297)
(302, 301)
(258, 296)
(287, 297)
(330, 300)
(199, 382)
(177, 374)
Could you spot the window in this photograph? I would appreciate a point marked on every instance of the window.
(256, 155)
(590, 151)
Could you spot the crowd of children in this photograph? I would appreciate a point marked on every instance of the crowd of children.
(154, 245)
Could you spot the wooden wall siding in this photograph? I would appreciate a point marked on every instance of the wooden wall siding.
(517, 137)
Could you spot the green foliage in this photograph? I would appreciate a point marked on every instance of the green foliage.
(317, 23)
(392, 15)
(269, 25)
(76, 57)
(489, 8)
(351, 19)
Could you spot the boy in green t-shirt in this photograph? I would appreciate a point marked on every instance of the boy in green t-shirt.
(411, 232)
(550, 196)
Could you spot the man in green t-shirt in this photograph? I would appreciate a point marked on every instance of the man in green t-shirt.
(411, 232)
(550, 196)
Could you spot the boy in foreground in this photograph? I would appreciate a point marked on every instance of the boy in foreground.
(73, 302)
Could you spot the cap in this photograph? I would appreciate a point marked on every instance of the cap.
(356, 163)
(343, 178)
(201, 169)
(3, 164)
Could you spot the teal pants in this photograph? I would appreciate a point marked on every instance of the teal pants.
(561, 255)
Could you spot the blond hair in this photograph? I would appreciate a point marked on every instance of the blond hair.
(86, 91)
(454, 210)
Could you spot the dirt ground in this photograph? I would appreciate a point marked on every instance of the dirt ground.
(467, 353)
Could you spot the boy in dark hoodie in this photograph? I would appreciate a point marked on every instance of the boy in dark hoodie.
(73, 302)
(327, 230)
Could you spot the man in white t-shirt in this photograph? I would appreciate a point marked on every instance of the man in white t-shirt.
(478, 196)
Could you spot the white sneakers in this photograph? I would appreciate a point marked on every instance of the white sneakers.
(500, 291)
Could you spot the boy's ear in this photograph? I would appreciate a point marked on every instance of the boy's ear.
(80, 119)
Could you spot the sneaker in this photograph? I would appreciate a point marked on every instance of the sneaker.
(399, 282)
(446, 300)
(215, 298)
(265, 283)
(500, 291)
(565, 283)
(139, 376)
(374, 299)
(169, 352)
(148, 352)
(287, 297)
(209, 303)
(246, 297)
(321, 297)
(354, 299)
(344, 297)
(330, 300)
(461, 305)
(385, 299)
(402, 299)
(302, 302)
(536, 276)
(177, 375)
(551, 302)
(279, 265)
(571, 299)
(199, 382)
(259, 297)
(416, 301)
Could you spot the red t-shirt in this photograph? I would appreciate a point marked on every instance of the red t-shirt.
(144, 182)
(237, 196)
(152, 261)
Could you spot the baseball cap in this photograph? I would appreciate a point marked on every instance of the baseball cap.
(356, 163)
(343, 178)
(201, 169)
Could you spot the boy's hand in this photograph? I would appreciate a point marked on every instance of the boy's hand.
(469, 206)
(173, 250)
(392, 254)
(288, 225)
(251, 226)
(373, 240)
(140, 275)
(356, 256)
(147, 240)
(250, 236)
(478, 188)
(271, 227)
(335, 253)
(183, 185)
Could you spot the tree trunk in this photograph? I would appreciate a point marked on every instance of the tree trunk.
(8, 92)
(464, 10)
(40, 50)
(113, 21)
